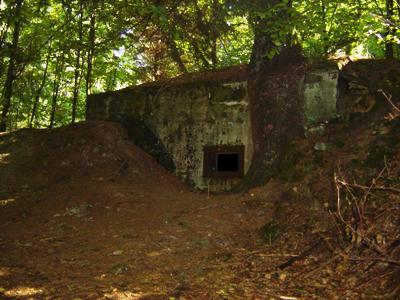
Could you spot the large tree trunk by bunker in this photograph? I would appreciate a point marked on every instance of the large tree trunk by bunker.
(276, 104)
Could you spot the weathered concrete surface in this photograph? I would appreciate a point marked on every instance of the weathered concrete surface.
(185, 118)
(175, 119)
(320, 93)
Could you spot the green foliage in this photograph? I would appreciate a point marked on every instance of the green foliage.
(58, 62)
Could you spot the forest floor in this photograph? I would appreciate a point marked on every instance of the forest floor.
(85, 214)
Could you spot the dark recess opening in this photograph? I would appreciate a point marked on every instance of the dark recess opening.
(227, 162)
(224, 161)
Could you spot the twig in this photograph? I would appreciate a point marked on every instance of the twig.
(326, 263)
(343, 253)
(302, 255)
(338, 211)
(389, 261)
(260, 251)
(374, 181)
(386, 165)
(363, 187)
(371, 244)
(389, 99)
(373, 279)
(332, 214)
(395, 292)
(328, 244)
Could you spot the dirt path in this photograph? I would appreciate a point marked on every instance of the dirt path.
(88, 249)
(100, 219)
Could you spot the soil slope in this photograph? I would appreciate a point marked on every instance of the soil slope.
(85, 214)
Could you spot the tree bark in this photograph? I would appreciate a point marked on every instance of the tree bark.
(56, 89)
(389, 51)
(11, 71)
(325, 38)
(3, 38)
(214, 34)
(17, 111)
(199, 56)
(39, 91)
(274, 95)
(263, 42)
(175, 53)
(92, 36)
(111, 79)
(78, 72)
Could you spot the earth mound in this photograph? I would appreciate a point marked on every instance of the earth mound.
(52, 156)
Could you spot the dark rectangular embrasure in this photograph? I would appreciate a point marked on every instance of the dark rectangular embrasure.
(225, 161)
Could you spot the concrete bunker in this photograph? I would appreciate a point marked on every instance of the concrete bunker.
(199, 125)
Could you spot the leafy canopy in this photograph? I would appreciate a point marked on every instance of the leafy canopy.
(68, 49)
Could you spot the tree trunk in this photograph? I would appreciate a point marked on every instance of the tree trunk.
(389, 52)
(78, 72)
(175, 53)
(92, 36)
(39, 91)
(325, 37)
(198, 55)
(214, 35)
(263, 42)
(275, 100)
(3, 38)
(11, 72)
(17, 111)
(111, 79)
(114, 78)
(56, 89)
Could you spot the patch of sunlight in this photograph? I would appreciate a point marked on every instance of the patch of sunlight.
(342, 57)
(123, 295)
(4, 272)
(6, 201)
(23, 291)
(3, 156)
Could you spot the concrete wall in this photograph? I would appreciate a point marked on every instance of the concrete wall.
(320, 93)
(185, 118)
(174, 120)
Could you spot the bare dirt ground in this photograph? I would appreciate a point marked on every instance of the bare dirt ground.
(85, 214)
